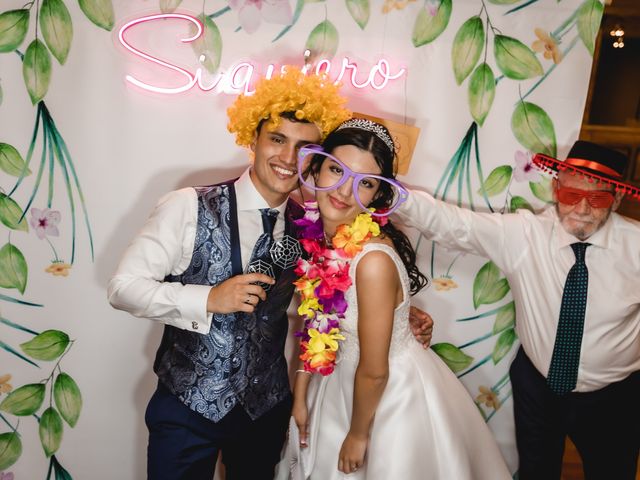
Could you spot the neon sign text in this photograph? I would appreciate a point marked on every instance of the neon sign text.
(238, 78)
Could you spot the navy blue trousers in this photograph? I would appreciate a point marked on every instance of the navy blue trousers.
(185, 445)
(604, 425)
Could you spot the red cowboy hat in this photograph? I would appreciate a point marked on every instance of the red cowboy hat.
(595, 162)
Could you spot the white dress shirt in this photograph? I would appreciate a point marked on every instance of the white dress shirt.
(164, 247)
(534, 253)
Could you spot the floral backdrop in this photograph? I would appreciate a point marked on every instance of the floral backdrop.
(85, 151)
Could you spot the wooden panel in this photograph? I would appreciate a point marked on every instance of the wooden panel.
(626, 140)
(572, 464)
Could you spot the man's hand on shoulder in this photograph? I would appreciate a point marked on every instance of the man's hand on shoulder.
(238, 294)
(421, 325)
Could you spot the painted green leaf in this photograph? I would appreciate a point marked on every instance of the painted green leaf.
(68, 398)
(322, 42)
(60, 472)
(428, 27)
(515, 59)
(533, 128)
(486, 277)
(542, 190)
(503, 345)
(13, 268)
(467, 47)
(49, 345)
(519, 202)
(505, 317)
(497, 293)
(589, 17)
(497, 180)
(57, 28)
(100, 12)
(455, 358)
(50, 430)
(208, 47)
(25, 400)
(10, 449)
(36, 70)
(359, 10)
(11, 162)
(13, 28)
(487, 287)
(482, 90)
(169, 6)
(10, 213)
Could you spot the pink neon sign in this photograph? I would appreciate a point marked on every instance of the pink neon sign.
(238, 78)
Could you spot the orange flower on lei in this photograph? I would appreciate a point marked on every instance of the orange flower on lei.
(320, 350)
(350, 238)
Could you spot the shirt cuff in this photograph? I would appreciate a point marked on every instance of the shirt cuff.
(193, 310)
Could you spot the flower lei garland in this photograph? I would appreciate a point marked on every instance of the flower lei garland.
(322, 281)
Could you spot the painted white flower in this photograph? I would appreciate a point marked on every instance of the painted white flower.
(252, 12)
(525, 170)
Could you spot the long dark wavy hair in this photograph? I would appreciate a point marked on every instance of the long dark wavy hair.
(384, 157)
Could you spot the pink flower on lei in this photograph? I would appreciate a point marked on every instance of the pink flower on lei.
(251, 12)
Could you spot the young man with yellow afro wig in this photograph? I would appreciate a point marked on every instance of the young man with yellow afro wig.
(197, 267)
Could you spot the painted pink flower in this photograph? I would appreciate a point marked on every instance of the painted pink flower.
(251, 12)
(45, 222)
(6, 476)
(525, 170)
(432, 6)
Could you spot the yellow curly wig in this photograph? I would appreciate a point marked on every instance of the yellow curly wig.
(312, 97)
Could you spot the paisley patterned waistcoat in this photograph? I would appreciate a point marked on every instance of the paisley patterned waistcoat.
(241, 360)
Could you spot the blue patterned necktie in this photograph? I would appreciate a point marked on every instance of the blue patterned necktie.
(563, 370)
(261, 261)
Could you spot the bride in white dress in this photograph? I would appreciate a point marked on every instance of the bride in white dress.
(390, 409)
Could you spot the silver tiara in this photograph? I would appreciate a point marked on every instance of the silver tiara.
(369, 126)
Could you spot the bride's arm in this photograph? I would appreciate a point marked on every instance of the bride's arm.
(300, 412)
(377, 284)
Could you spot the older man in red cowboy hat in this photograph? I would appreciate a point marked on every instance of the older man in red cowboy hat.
(574, 271)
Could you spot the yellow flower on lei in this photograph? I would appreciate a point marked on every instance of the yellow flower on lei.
(351, 238)
(309, 306)
(319, 342)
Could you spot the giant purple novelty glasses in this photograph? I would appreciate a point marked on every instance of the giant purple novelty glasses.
(339, 173)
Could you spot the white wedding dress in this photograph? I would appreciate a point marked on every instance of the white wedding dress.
(426, 425)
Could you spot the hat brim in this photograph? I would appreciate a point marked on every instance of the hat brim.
(552, 166)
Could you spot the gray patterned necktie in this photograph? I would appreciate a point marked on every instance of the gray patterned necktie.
(261, 261)
(563, 370)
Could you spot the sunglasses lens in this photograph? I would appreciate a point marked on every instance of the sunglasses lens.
(601, 199)
(568, 197)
